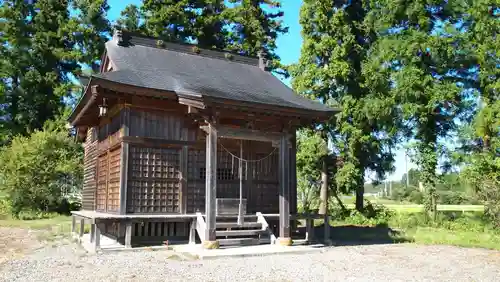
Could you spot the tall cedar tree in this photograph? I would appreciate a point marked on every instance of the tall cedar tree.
(186, 21)
(92, 31)
(483, 145)
(256, 29)
(41, 47)
(131, 19)
(426, 52)
(332, 69)
(244, 27)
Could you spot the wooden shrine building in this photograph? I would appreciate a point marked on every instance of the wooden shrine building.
(182, 141)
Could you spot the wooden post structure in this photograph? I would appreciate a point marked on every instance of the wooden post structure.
(73, 225)
(184, 172)
(293, 178)
(92, 232)
(211, 188)
(284, 193)
(128, 234)
(192, 232)
(97, 238)
(82, 227)
(124, 161)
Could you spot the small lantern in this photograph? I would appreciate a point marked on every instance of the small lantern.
(103, 108)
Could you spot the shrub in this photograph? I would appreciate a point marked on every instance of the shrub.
(5, 208)
(40, 170)
(373, 215)
(416, 197)
(451, 198)
(454, 221)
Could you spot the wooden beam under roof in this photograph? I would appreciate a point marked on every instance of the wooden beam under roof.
(245, 134)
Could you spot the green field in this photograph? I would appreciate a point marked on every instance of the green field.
(410, 207)
(419, 208)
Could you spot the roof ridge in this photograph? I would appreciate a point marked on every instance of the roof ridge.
(128, 38)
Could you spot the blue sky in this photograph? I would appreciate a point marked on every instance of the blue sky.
(288, 49)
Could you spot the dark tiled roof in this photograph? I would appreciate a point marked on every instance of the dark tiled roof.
(146, 62)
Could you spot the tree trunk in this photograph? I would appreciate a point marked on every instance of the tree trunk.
(433, 211)
(323, 194)
(360, 191)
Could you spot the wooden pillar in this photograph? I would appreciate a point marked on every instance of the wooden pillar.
(284, 194)
(309, 229)
(82, 227)
(192, 232)
(92, 232)
(124, 161)
(211, 188)
(250, 167)
(293, 178)
(73, 225)
(97, 238)
(128, 234)
(326, 230)
(184, 173)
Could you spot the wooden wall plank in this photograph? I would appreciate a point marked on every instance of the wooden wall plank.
(113, 183)
(90, 170)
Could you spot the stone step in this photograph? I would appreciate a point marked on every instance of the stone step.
(238, 242)
(231, 233)
(247, 217)
(235, 225)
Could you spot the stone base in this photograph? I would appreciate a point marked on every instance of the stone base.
(211, 244)
(284, 241)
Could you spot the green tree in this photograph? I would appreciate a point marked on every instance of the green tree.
(414, 177)
(311, 154)
(186, 21)
(131, 19)
(333, 68)
(481, 141)
(42, 46)
(41, 170)
(91, 29)
(34, 66)
(256, 24)
(425, 49)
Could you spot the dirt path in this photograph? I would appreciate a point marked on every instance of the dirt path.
(17, 242)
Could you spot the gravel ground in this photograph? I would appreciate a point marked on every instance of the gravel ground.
(399, 262)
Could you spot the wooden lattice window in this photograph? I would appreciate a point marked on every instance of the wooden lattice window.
(222, 173)
(196, 185)
(154, 180)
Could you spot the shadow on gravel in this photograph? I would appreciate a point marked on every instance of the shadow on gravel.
(351, 235)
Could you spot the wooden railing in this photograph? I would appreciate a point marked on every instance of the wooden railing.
(309, 219)
(265, 227)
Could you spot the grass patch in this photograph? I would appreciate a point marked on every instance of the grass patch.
(40, 224)
(458, 228)
(441, 236)
(52, 228)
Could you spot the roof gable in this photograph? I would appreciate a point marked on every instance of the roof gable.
(198, 73)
